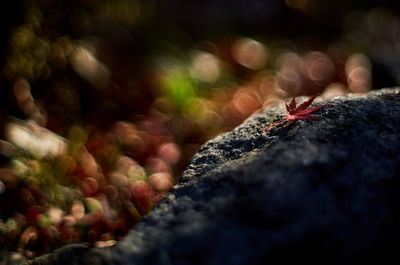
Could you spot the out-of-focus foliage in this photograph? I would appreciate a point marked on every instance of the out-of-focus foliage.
(105, 101)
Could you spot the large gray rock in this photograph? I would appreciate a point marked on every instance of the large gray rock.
(324, 191)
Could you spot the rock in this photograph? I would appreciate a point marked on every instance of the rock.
(323, 191)
(73, 254)
(11, 258)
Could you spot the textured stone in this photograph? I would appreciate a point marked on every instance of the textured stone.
(323, 191)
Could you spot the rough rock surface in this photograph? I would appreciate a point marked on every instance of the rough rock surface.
(324, 191)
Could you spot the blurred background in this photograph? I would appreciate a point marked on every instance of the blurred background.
(103, 103)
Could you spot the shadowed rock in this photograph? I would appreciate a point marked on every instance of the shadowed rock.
(324, 191)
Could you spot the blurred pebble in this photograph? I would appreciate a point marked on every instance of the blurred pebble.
(155, 164)
(169, 152)
(77, 210)
(43, 221)
(161, 181)
(111, 192)
(142, 194)
(118, 179)
(206, 66)
(16, 257)
(9, 178)
(93, 205)
(103, 244)
(68, 221)
(124, 163)
(136, 172)
(30, 233)
(101, 180)
(250, 53)
(125, 193)
(89, 186)
(333, 90)
(55, 214)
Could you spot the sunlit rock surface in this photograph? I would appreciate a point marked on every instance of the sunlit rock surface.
(324, 191)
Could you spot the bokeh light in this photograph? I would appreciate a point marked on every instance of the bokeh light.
(358, 70)
(250, 53)
(35, 139)
(206, 67)
(103, 103)
(89, 67)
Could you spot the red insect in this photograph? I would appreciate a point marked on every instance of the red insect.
(298, 113)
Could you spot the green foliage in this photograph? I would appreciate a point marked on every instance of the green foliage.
(180, 88)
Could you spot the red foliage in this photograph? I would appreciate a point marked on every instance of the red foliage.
(298, 112)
